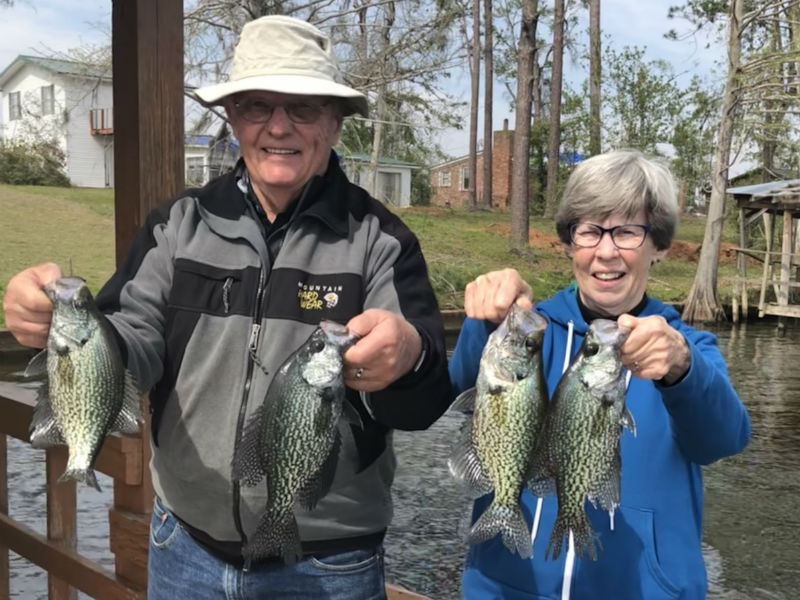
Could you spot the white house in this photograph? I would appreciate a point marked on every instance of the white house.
(394, 177)
(72, 102)
(69, 101)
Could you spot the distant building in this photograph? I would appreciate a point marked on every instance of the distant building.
(450, 180)
(68, 101)
(72, 103)
(394, 177)
(207, 156)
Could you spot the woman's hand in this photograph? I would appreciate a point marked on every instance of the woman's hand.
(654, 350)
(490, 296)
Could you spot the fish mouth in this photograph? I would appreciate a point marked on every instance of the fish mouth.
(338, 334)
(64, 289)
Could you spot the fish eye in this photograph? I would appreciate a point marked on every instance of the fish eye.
(531, 345)
(591, 348)
(317, 346)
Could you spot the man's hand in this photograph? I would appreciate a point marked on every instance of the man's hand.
(389, 348)
(28, 309)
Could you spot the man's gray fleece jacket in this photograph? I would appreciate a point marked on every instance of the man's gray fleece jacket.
(203, 291)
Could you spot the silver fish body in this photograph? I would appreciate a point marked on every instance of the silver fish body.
(579, 450)
(87, 393)
(495, 450)
(294, 439)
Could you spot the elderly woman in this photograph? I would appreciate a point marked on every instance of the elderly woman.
(617, 218)
(221, 285)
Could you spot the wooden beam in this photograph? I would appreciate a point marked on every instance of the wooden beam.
(65, 563)
(147, 58)
(62, 520)
(5, 580)
(782, 311)
(786, 259)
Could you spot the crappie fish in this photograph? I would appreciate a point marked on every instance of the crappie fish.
(87, 393)
(294, 439)
(579, 447)
(494, 451)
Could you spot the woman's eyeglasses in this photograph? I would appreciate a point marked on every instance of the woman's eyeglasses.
(257, 110)
(625, 237)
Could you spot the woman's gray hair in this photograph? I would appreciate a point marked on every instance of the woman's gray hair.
(621, 182)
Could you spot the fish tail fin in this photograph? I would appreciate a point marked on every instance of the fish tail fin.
(510, 523)
(87, 476)
(275, 536)
(583, 535)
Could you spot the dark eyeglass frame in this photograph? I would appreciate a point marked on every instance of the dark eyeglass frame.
(301, 113)
(611, 231)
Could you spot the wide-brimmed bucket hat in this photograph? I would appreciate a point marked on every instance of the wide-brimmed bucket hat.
(283, 54)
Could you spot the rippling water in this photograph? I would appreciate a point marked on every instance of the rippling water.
(752, 523)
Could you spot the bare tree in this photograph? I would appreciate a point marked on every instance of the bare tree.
(554, 139)
(474, 71)
(702, 303)
(594, 77)
(526, 66)
(488, 130)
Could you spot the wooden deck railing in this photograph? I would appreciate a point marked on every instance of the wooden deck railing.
(126, 460)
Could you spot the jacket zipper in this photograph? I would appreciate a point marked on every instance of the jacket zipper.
(252, 345)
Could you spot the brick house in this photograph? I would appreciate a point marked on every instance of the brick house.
(450, 180)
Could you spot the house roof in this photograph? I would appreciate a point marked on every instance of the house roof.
(54, 65)
(206, 140)
(771, 188)
(362, 157)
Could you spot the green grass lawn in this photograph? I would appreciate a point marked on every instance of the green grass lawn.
(74, 227)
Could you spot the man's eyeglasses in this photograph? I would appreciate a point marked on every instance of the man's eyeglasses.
(625, 237)
(257, 110)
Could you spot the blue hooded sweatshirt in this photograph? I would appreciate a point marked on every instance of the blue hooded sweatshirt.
(653, 551)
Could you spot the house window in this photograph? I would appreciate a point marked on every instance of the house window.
(463, 178)
(14, 106)
(444, 178)
(195, 170)
(48, 100)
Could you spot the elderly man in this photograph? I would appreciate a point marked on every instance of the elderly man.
(222, 284)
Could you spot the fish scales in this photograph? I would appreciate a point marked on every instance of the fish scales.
(580, 443)
(293, 439)
(87, 393)
(494, 450)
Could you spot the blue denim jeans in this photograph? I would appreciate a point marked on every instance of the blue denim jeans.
(181, 569)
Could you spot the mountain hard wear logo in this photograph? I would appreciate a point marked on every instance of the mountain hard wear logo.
(318, 297)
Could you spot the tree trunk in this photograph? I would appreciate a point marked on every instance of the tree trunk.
(473, 105)
(488, 129)
(554, 139)
(594, 77)
(702, 305)
(522, 129)
(381, 109)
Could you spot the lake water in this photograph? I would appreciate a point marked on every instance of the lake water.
(752, 523)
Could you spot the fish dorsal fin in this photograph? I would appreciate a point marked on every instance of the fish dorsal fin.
(37, 367)
(465, 464)
(44, 430)
(465, 401)
(627, 420)
(130, 413)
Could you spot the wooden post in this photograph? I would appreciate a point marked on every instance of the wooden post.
(62, 523)
(5, 589)
(147, 54)
(768, 232)
(786, 258)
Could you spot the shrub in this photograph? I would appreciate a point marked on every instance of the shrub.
(39, 162)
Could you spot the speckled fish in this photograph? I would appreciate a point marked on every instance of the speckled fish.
(87, 393)
(495, 449)
(579, 449)
(294, 439)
